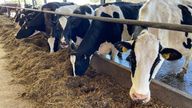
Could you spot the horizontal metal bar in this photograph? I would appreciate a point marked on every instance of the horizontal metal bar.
(168, 26)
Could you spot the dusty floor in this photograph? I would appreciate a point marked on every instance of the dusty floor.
(9, 93)
(47, 81)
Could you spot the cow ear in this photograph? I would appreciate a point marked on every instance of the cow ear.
(123, 46)
(170, 54)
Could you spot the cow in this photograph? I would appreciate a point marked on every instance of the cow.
(77, 27)
(41, 22)
(63, 23)
(152, 46)
(59, 25)
(100, 32)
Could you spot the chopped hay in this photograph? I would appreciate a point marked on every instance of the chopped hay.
(48, 81)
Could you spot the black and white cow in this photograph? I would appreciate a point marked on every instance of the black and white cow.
(72, 26)
(101, 32)
(41, 22)
(77, 27)
(152, 46)
(59, 25)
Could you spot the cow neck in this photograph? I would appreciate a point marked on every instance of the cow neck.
(130, 11)
(93, 38)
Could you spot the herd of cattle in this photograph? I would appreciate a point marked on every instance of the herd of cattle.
(148, 47)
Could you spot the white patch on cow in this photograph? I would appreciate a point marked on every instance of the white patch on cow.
(65, 10)
(51, 41)
(63, 22)
(62, 39)
(107, 47)
(90, 57)
(79, 40)
(22, 15)
(73, 59)
(35, 33)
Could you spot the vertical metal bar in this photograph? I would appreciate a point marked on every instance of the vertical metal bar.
(102, 1)
(19, 2)
(25, 2)
(45, 1)
(33, 3)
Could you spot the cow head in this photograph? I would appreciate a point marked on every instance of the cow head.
(23, 16)
(146, 57)
(79, 61)
(30, 25)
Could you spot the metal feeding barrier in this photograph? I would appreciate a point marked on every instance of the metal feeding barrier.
(168, 95)
(177, 27)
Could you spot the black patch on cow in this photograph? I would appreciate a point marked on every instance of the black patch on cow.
(189, 6)
(157, 60)
(116, 15)
(188, 44)
(130, 11)
(86, 9)
(132, 59)
(187, 19)
(38, 22)
(186, 14)
(174, 54)
(103, 14)
(186, 34)
(83, 10)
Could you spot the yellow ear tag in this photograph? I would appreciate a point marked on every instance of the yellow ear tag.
(166, 56)
(124, 49)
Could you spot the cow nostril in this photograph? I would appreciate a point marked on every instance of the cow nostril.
(138, 101)
(139, 97)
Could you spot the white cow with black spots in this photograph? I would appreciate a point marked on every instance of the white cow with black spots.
(151, 46)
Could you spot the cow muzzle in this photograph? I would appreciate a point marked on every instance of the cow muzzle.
(139, 97)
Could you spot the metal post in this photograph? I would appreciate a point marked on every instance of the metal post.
(19, 2)
(33, 3)
(64, 0)
(45, 1)
(102, 1)
(25, 2)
